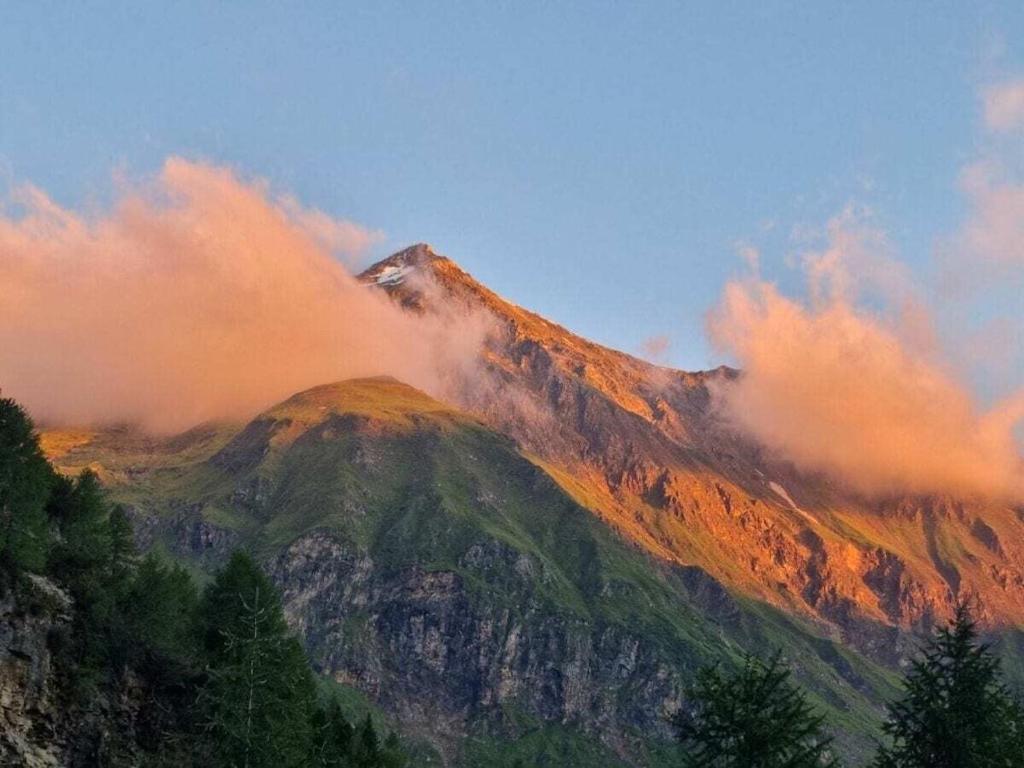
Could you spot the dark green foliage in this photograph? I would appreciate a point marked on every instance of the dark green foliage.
(122, 544)
(81, 512)
(956, 713)
(338, 745)
(333, 737)
(84, 562)
(755, 718)
(366, 747)
(25, 482)
(156, 616)
(368, 751)
(261, 695)
(392, 755)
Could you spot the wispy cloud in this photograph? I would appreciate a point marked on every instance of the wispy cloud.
(656, 348)
(1004, 106)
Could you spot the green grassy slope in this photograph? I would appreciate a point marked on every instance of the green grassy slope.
(406, 480)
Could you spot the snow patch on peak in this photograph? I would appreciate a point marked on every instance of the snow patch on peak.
(393, 274)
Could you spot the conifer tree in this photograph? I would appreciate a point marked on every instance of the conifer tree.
(82, 513)
(332, 737)
(260, 696)
(81, 561)
(25, 482)
(956, 712)
(392, 754)
(156, 616)
(755, 718)
(122, 544)
(366, 748)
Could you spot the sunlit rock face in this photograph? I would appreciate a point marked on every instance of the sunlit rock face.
(643, 447)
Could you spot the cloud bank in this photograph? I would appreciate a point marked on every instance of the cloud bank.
(197, 296)
(837, 389)
(852, 380)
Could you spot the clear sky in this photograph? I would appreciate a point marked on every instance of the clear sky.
(597, 162)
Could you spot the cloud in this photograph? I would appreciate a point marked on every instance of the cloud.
(656, 348)
(339, 237)
(751, 257)
(851, 381)
(1004, 106)
(992, 237)
(197, 296)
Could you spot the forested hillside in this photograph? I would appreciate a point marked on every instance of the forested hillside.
(115, 659)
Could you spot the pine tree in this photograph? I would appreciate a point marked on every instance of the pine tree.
(25, 482)
(366, 751)
(755, 718)
(156, 616)
(123, 554)
(81, 511)
(332, 737)
(260, 696)
(392, 754)
(956, 712)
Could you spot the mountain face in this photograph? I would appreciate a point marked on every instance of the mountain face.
(641, 446)
(430, 566)
(534, 567)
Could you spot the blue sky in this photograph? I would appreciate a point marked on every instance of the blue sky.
(596, 162)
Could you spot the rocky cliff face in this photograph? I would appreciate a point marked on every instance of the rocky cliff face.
(448, 661)
(45, 721)
(30, 716)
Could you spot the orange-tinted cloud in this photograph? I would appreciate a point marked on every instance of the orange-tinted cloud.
(860, 394)
(197, 296)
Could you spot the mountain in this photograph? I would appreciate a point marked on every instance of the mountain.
(433, 568)
(534, 566)
(642, 447)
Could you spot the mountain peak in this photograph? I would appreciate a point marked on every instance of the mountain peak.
(395, 268)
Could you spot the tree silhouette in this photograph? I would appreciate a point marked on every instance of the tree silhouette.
(957, 712)
(261, 696)
(755, 718)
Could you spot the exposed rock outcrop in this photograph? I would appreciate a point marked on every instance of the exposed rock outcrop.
(30, 711)
(447, 660)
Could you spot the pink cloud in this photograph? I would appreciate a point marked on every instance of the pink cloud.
(860, 394)
(198, 296)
